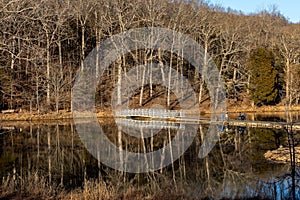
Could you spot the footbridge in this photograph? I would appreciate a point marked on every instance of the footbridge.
(179, 116)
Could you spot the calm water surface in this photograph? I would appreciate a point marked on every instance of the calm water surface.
(235, 168)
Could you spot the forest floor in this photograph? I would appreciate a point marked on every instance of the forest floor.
(104, 113)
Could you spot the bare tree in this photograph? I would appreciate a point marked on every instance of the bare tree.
(289, 48)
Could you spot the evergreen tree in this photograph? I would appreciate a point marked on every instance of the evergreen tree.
(264, 77)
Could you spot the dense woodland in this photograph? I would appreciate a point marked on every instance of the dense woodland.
(43, 44)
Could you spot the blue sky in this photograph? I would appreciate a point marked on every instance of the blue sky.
(289, 8)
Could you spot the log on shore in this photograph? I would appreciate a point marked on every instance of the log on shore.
(282, 155)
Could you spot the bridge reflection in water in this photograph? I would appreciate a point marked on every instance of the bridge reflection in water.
(148, 122)
(152, 113)
(131, 123)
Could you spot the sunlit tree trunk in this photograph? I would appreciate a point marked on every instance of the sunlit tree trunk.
(143, 81)
(119, 82)
(12, 67)
(48, 67)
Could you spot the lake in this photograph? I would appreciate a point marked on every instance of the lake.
(234, 169)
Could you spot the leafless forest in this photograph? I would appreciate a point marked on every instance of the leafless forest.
(43, 44)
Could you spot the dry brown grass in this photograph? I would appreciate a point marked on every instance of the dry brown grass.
(262, 109)
(92, 190)
(37, 187)
(31, 187)
(62, 114)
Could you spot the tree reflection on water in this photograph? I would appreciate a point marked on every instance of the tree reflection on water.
(235, 169)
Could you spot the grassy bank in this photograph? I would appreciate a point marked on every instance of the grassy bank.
(262, 109)
(26, 116)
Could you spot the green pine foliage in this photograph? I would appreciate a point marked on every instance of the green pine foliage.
(264, 89)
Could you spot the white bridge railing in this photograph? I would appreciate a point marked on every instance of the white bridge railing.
(153, 113)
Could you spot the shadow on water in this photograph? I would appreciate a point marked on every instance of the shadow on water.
(272, 116)
(234, 169)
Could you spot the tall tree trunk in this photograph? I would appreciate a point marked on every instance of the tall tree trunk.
(12, 64)
(169, 82)
(37, 89)
(82, 44)
(161, 67)
(288, 83)
(200, 91)
(143, 81)
(119, 82)
(150, 74)
(48, 69)
(60, 59)
(98, 38)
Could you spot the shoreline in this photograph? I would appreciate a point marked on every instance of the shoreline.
(62, 114)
